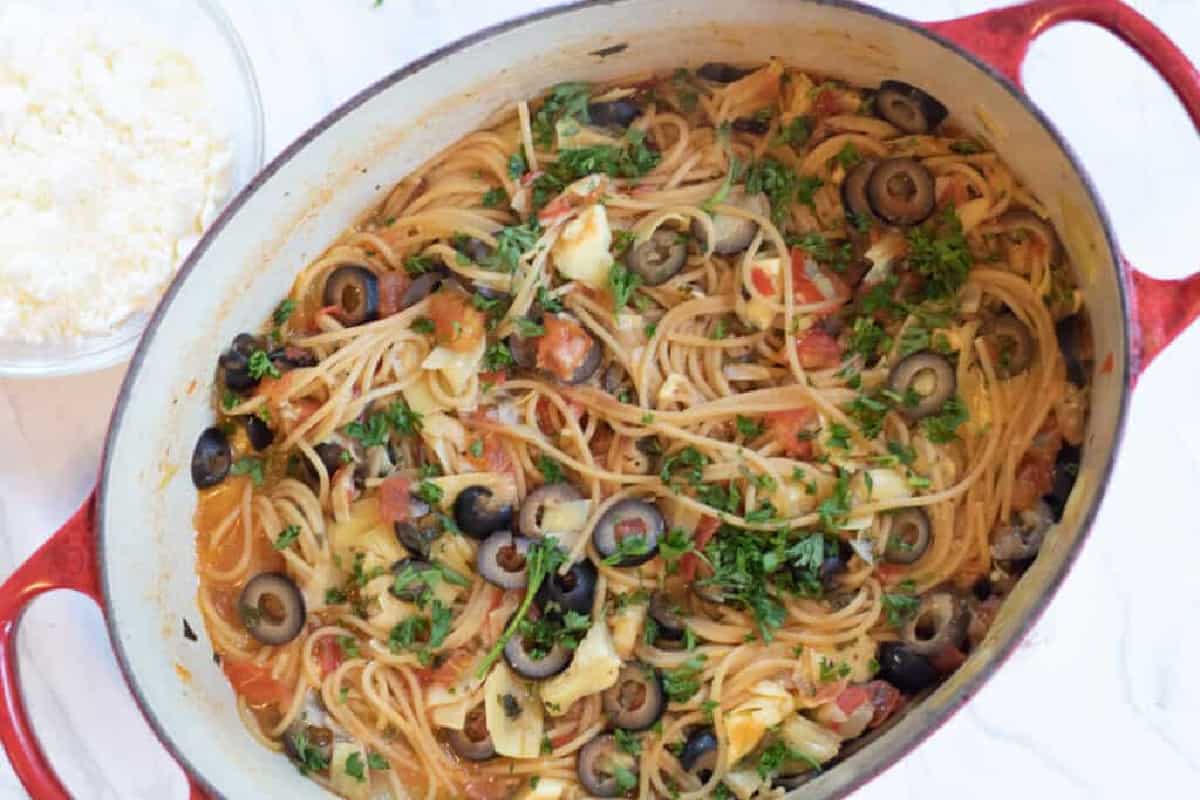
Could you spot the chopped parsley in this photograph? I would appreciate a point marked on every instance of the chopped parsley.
(568, 99)
(943, 426)
(249, 466)
(422, 325)
(418, 264)
(777, 181)
(938, 251)
(848, 156)
(259, 366)
(548, 301)
(868, 338)
(284, 311)
(622, 282)
(749, 428)
(683, 682)
(627, 742)
(512, 243)
(527, 328)
(551, 470)
(902, 605)
(430, 492)
(494, 197)
(806, 187)
(516, 165)
(497, 357)
(543, 557)
(376, 761)
(796, 132)
(778, 753)
(308, 756)
(288, 535)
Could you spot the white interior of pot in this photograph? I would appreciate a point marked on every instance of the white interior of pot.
(147, 537)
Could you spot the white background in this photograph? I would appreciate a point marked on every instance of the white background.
(1102, 700)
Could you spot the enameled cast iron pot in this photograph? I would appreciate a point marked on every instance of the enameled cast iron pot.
(131, 547)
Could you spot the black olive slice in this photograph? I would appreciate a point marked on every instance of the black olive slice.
(573, 590)
(272, 608)
(755, 125)
(529, 521)
(1071, 342)
(1012, 344)
(940, 622)
(500, 560)
(628, 520)
(1027, 222)
(659, 258)
(422, 286)
(901, 191)
(211, 458)
(535, 665)
(734, 234)
(234, 364)
(591, 362)
(1022, 537)
(418, 532)
(473, 742)
(1066, 470)
(699, 754)
(597, 765)
(907, 670)
(637, 700)
(614, 113)
(930, 376)
(355, 292)
(909, 538)
(854, 189)
(719, 72)
(300, 740)
(258, 432)
(910, 109)
(479, 513)
(667, 622)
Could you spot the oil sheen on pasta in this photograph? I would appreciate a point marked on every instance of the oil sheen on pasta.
(668, 438)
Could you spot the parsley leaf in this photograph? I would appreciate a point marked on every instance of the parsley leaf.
(308, 756)
(430, 492)
(568, 99)
(249, 466)
(494, 197)
(622, 281)
(901, 606)
(286, 537)
(551, 470)
(943, 426)
(497, 357)
(527, 328)
(938, 251)
(512, 243)
(776, 180)
(683, 682)
(284, 311)
(543, 557)
(259, 366)
(806, 187)
(749, 428)
(376, 761)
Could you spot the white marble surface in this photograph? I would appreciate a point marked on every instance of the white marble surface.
(1100, 701)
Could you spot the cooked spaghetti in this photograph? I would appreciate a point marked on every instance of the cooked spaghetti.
(662, 439)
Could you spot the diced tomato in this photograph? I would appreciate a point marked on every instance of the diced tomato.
(254, 682)
(890, 573)
(627, 528)
(1035, 472)
(329, 654)
(391, 292)
(762, 282)
(493, 457)
(530, 177)
(493, 378)
(1107, 366)
(851, 698)
(818, 350)
(811, 281)
(885, 698)
(826, 103)
(456, 324)
(790, 428)
(564, 347)
(558, 207)
(948, 659)
(394, 499)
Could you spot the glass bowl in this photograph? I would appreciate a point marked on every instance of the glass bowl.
(201, 30)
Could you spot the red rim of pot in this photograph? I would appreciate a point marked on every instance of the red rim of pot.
(1155, 312)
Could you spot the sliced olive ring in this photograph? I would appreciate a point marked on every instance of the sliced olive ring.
(523, 662)
(309, 738)
(667, 622)
(659, 258)
(624, 521)
(272, 608)
(904, 668)
(258, 432)
(940, 622)
(597, 763)
(500, 560)
(1066, 471)
(720, 72)
(699, 754)
(854, 189)
(637, 700)
(909, 538)
(574, 590)
(910, 109)
(1071, 338)
(901, 191)
(529, 520)
(419, 531)
(734, 233)
(613, 113)
(929, 376)
(355, 291)
(473, 742)
(1023, 537)
(212, 458)
(1013, 342)
(479, 513)
(1025, 220)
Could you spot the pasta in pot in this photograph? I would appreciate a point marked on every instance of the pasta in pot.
(664, 439)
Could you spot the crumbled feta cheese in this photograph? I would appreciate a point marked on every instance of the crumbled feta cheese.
(110, 168)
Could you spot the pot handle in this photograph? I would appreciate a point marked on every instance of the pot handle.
(1163, 309)
(66, 561)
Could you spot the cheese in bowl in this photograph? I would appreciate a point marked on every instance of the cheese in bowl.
(113, 161)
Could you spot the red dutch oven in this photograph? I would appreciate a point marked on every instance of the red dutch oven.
(131, 546)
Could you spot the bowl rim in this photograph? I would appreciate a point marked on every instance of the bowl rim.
(122, 346)
(867, 770)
